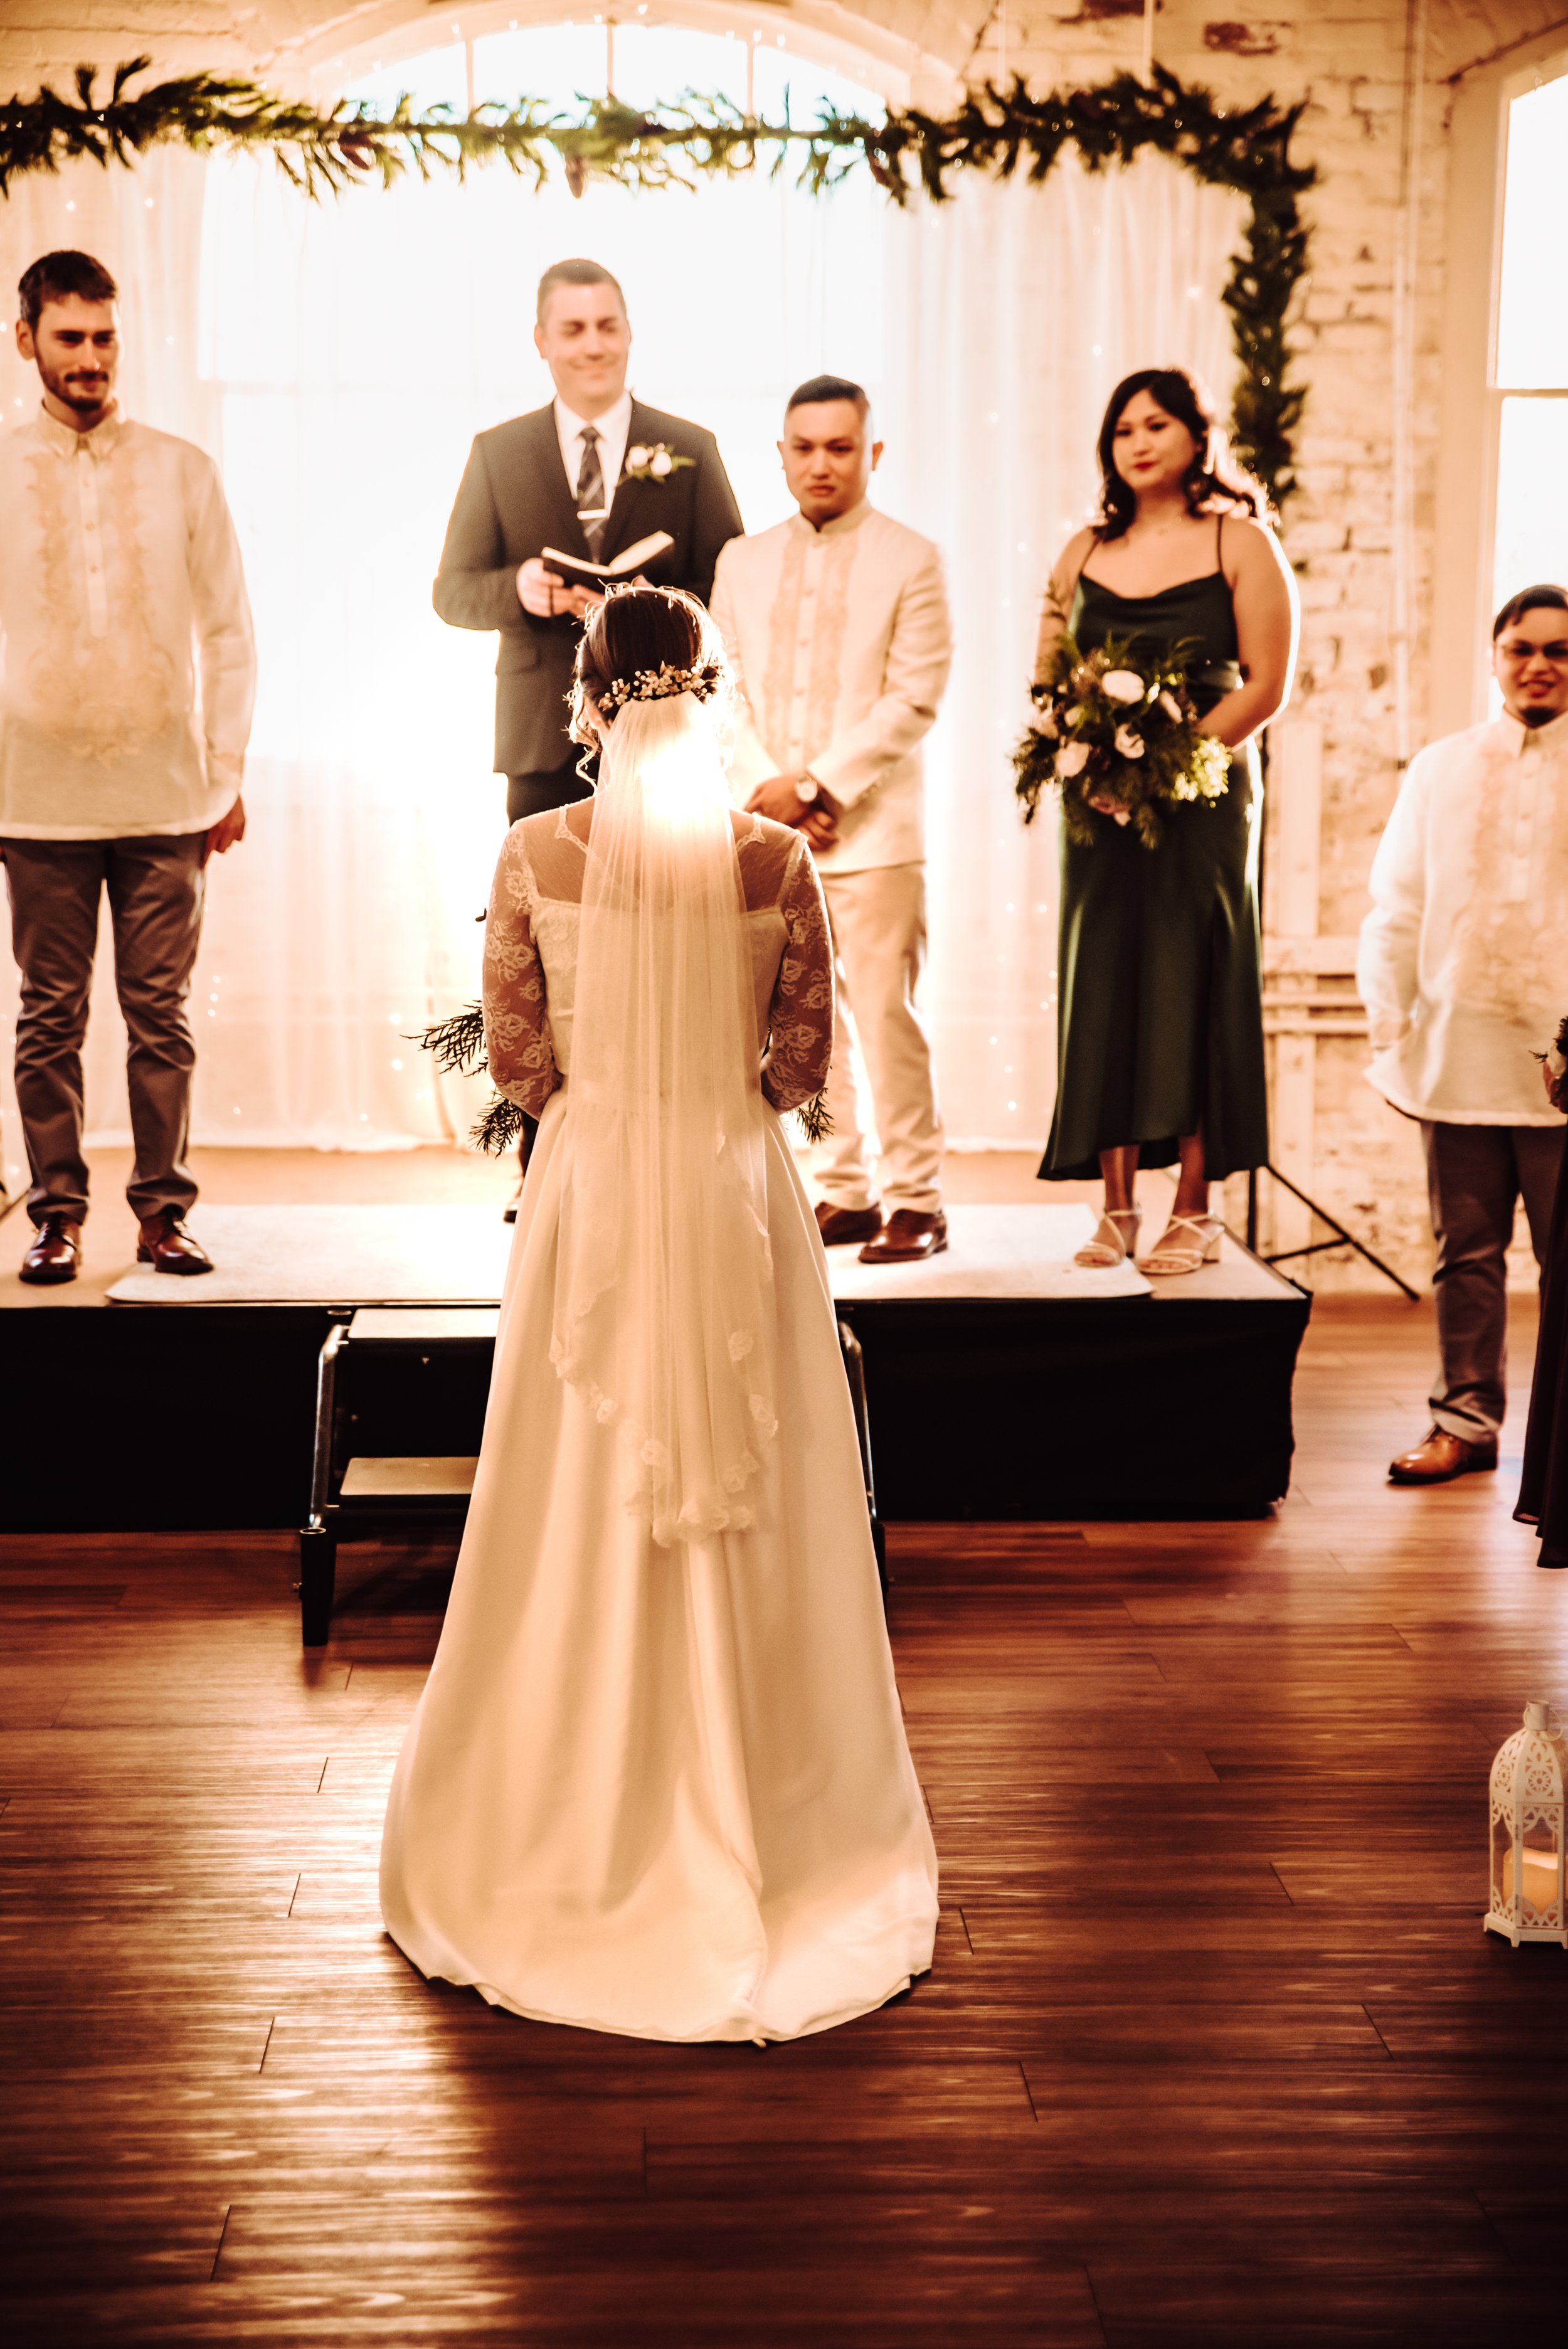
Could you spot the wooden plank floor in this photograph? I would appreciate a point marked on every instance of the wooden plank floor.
(1215, 2050)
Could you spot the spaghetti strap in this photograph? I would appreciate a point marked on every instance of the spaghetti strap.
(1220, 544)
(1083, 567)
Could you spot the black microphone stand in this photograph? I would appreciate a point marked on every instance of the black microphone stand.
(1342, 1238)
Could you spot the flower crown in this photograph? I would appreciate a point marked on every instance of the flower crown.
(659, 685)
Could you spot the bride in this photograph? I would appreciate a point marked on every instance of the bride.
(657, 1781)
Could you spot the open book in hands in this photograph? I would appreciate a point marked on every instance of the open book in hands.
(578, 570)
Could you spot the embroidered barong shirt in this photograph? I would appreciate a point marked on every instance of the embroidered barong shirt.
(841, 642)
(1463, 960)
(127, 663)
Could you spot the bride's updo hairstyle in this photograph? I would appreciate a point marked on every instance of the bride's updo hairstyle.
(636, 646)
(1212, 483)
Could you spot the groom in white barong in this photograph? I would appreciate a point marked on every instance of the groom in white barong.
(837, 627)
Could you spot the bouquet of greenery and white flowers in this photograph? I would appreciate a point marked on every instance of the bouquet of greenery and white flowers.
(1119, 735)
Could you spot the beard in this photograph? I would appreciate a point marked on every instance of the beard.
(1536, 716)
(73, 387)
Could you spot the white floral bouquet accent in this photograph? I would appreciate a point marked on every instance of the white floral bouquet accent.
(653, 461)
(1119, 737)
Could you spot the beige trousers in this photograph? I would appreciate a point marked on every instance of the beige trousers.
(878, 922)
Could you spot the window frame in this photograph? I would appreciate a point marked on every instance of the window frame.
(902, 72)
(1471, 397)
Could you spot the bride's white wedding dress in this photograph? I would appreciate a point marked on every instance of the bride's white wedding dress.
(660, 1786)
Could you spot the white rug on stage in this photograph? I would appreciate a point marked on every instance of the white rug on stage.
(456, 1256)
(1027, 1252)
(336, 1255)
(993, 1252)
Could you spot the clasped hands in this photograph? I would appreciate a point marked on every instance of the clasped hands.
(778, 797)
(547, 597)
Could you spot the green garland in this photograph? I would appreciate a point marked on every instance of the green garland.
(1004, 132)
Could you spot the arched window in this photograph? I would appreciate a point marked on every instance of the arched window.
(337, 359)
(354, 348)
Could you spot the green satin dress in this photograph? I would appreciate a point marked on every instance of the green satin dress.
(1160, 1029)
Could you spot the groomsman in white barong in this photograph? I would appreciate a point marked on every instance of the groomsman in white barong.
(837, 626)
(1463, 969)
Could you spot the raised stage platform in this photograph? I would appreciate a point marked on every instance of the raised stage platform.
(1003, 1382)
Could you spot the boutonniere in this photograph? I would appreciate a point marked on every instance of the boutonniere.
(653, 461)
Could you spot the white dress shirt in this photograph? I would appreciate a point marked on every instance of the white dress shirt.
(613, 428)
(120, 579)
(1463, 962)
(841, 643)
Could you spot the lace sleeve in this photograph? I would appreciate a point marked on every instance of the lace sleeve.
(800, 1018)
(517, 1032)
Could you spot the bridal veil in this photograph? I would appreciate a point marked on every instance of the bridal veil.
(664, 1317)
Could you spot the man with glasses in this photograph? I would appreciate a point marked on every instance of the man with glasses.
(1462, 968)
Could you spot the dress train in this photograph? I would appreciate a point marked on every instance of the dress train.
(663, 1791)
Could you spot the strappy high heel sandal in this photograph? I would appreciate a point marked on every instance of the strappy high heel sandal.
(1103, 1255)
(1208, 1232)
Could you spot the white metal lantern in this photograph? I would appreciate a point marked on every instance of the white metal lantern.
(1527, 1845)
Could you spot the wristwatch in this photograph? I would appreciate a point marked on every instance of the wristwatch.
(808, 788)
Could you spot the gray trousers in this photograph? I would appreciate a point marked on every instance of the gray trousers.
(1475, 1175)
(155, 888)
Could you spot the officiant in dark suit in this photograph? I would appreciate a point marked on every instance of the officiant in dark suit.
(591, 475)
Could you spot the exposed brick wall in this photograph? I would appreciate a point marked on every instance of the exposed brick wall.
(1346, 60)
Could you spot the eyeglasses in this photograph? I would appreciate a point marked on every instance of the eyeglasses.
(1521, 650)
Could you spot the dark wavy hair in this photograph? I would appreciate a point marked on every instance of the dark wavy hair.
(1212, 483)
(637, 629)
(56, 274)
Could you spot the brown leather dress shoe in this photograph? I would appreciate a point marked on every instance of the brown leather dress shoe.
(841, 1226)
(1438, 1457)
(55, 1254)
(909, 1238)
(168, 1247)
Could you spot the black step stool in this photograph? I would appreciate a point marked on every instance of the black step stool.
(395, 1378)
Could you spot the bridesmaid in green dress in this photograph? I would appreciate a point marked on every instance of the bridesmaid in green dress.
(1159, 1019)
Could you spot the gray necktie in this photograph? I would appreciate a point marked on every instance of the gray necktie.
(590, 491)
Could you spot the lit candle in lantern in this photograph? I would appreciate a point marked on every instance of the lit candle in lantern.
(1528, 1896)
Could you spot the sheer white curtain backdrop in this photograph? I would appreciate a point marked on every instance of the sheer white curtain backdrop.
(337, 359)
(1012, 313)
